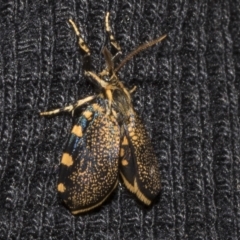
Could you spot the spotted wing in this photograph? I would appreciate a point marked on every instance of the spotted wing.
(89, 165)
(138, 163)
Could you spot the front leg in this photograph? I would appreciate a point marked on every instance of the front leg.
(81, 42)
(113, 42)
(69, 108)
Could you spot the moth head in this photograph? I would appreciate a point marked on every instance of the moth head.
(105, 75)
(108, 74)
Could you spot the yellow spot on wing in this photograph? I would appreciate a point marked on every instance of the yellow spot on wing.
(121, 152)
(127, 183)
(140, 195)
(77, 130)
(125, 141)
(98, 108)
(88, 114)
(61, 187)
(67, 159)
(124, 162)
(135, 189)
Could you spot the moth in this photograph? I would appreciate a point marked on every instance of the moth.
(108, 140)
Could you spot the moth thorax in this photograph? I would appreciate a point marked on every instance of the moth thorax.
(121, 104)
(114, 80)
(105, 75)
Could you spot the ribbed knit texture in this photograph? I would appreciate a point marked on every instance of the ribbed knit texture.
(187, 96)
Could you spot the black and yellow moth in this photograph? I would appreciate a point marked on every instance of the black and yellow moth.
(108, 139)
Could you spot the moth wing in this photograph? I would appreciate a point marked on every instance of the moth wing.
(89, 165)
(138, 163)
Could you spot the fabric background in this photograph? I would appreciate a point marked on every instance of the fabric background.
(187, 96)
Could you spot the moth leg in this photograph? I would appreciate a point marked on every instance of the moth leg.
(113, 42)
(133, 89)
(83, 46)
(101, 82)
(81, 42)
(69, 108)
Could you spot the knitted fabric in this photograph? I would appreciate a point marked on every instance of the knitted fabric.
(187, 96)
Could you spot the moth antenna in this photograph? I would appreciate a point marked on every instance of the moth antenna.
(139, 49)
(108, 58)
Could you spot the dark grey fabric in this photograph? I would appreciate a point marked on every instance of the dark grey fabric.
(187, 95)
